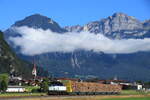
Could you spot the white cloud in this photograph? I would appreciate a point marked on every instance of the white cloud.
(38, 41)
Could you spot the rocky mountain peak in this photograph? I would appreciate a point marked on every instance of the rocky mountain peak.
(119, 14)
(39, 21)
(120, 21)
(116, 22)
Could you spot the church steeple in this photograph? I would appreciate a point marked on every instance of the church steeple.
(34, 71)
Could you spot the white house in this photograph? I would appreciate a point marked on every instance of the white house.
(139, 87)
(15, 89)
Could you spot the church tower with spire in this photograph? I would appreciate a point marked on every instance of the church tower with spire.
(34, 71)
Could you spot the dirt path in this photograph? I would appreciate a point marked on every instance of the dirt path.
(75, 97)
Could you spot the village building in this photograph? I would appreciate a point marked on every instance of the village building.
(15, 89)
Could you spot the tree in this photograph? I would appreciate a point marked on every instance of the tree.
(44, 85)
(3, 86)
(3, 82)
(139, 81)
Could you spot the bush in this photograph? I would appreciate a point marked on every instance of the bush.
(35, 90)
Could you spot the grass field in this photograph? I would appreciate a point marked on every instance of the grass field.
(20, 94)
(133, 92)
(132, 98)
(93, 98)
(125, 95)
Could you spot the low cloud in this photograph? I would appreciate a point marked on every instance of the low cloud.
(38, 41)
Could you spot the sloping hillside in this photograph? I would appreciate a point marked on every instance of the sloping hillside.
(10, 63)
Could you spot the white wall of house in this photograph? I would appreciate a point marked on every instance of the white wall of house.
(15, 89)
(139, 87)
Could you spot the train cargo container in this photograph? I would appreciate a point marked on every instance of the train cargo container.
(93, 88)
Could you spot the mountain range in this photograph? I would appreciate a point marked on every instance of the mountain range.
(83, 64)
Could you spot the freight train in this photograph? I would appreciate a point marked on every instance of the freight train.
(68, 87)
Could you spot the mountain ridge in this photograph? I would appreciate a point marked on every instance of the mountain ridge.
(118, 22)
(83, 63)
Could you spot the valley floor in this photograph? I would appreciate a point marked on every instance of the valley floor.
(125, 95)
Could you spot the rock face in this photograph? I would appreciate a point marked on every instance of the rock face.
(87, 63)
(120, 21)
(116, 22)
(76, 28)
(117, 26)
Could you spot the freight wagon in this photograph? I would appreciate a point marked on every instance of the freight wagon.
(68, 87)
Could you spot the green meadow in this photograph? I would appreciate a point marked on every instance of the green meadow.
(132, 98)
